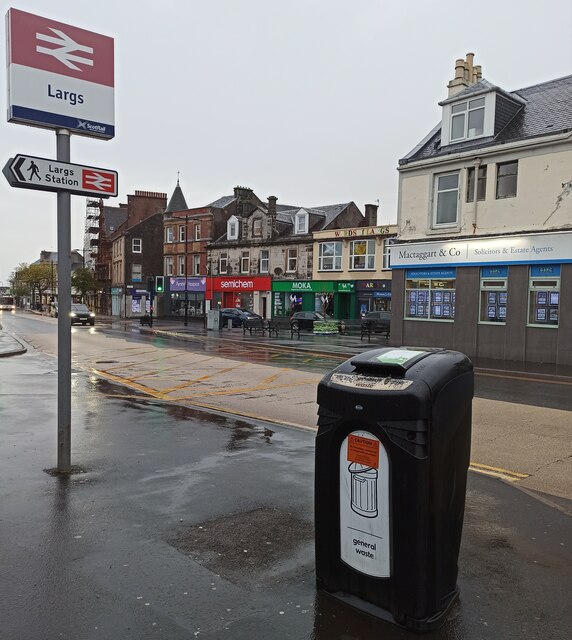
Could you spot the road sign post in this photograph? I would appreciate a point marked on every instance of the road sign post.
(60, 77)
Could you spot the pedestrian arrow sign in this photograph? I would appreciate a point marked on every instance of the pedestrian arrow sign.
(29, 172)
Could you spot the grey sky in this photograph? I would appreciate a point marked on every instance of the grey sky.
(313, 101)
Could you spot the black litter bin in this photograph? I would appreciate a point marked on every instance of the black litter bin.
(392, 454)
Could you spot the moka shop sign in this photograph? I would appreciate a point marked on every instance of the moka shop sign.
(304, 286)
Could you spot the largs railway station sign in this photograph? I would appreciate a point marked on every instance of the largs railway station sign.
(59, 76)
(29, 172)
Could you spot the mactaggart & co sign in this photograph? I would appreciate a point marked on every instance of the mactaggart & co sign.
(522, 249)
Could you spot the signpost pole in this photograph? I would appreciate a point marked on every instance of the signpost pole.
(64, 306)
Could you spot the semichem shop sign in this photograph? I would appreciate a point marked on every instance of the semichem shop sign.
(29, 172)
(59, 76)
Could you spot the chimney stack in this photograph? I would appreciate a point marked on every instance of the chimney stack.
(371, 215)
(466, 74)
(272, 230)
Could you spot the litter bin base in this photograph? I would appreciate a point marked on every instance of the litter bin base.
(412, 624)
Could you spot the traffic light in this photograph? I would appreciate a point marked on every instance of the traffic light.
(160, 284)
(151, 284)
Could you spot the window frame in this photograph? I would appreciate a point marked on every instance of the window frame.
(493, 284)
(436, 192)
(182, 233)
(301, 217)
(481, 184)
(136, 268)
(223, 259)
(292, 260)
(336, 257)
(245, 261)
(448, 298)
(181, 265)
(169, 265)
(549, 285)
(469, 109)
(386, 253)
(140, 243)
(196, 264)
(264, 259)
(507, 177)
(197, 231)
(169, 235)
(232, 228)
(369, 255)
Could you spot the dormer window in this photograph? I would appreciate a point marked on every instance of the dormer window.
(468, 119)
(232, 228)
(301, 222)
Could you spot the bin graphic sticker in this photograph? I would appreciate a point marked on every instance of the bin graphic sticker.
(363, 489)
(364, 504)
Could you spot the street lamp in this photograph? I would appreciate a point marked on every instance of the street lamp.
(186, 285)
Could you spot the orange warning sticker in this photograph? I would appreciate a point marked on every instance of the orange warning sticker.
(363, 451)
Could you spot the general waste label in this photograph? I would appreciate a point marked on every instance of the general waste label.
(364, 504)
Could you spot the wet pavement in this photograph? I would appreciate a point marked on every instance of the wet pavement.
(182, 524)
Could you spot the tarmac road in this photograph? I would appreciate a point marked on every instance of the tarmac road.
(183, 524)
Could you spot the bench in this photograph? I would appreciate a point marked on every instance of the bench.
(253, 325)
(282, 324)
(366, 329)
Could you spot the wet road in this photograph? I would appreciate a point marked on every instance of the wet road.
(529, 445)
(185, 524)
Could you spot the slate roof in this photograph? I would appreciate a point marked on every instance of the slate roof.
(113, 218)
(177, 201)
(546, 109)
(221, 203)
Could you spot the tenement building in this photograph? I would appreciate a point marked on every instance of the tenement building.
(483, 262)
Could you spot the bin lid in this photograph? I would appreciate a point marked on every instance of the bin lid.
(390, 362)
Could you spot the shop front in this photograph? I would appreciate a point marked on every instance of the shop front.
(136, 302)
(186, 293)
(331, 298)
(373, 295)
(251, 293)
(504, 297)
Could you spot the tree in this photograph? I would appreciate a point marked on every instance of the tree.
(40, 277)
(84, 282)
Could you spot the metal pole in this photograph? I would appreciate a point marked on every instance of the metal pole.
(186, 286)
(64, 309)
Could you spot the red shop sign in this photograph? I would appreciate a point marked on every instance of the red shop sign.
(244, 283)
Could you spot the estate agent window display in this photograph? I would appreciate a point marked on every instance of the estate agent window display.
(430, 295)
(544, 296)
(494, 295)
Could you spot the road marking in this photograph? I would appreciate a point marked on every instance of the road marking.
(496, 472)
(522, 378)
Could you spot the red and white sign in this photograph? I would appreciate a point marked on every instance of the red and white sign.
(245, 283)
(30, 172)
(59, 76)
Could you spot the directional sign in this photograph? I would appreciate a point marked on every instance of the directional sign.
(29, 172)
(59, 76)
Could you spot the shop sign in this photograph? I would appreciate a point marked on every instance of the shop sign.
(304, 286)
(346, 287)
(524, 249)
(193, 284)
(361, 231)
(372, 285)
(246, 283)
(115, 291)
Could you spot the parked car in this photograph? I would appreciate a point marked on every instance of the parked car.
(379, 321)
(305, 319)
(80, 314)
(237, 316)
